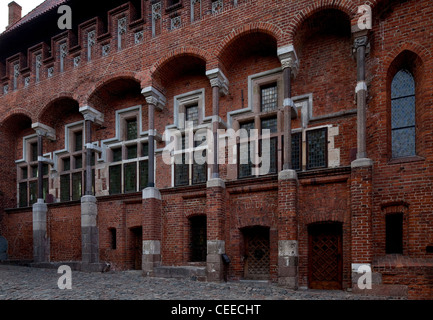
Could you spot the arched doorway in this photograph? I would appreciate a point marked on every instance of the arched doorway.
(325, 259)
(256, 253)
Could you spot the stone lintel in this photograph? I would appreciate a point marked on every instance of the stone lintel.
(152, 193)
(287, 175)
(364, 162)
(216, 183)
(92, 114)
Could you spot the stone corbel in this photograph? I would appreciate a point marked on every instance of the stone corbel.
(289, 58)
(44, 131)
(92, 114)
(218, 79)
(154, 97)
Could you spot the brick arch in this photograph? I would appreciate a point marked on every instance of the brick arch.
(329, 217)
(5, 118)
(251, 221)
(350, 9)
(258, 27)
(179, 52)
(95, 86)
(422, 52)
(58, 97)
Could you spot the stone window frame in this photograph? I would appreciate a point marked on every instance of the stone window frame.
(72, 154)
(254, 112)
(181, 103)
(120, 141)
(29, 164)
(304, 103)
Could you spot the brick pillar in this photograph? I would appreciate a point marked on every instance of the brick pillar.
(41, 242)
(361, 190)
(288, 256)
(215, 212)
(152, 206)
(89, 206)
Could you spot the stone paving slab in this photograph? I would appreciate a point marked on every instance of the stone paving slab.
(22, 283)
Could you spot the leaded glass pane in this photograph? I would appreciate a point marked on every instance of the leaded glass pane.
(33, 192)
(403, 85)
(269, 98)
(145, 150)
(245, 161)
(131, 129)
(271, 156)
(66, 164)
(403, 142)
(34, 152)
(130, 176)
(115, 179)
(78, 162)
(317, 148)
(296, 151)
(144, 174)
(45, 169)
(181, 171)
(403, 115)
(117, 154)
(270, 124)
(132, 152)
(403, 112)
(199, 172)
(45, 188)
(64, 188)
(78, 141)
(34, 171)
(77, 186)
(23, 194)
(192, 115)
(24, 173)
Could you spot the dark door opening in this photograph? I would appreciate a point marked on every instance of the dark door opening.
(137, 247)
(198, 238)
(325, 256)
(257, 253)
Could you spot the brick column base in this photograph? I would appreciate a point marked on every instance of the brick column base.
(151, 231)
(89, 233)
(41, 243)
(288, 257)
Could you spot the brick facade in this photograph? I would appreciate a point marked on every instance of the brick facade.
(242, 42)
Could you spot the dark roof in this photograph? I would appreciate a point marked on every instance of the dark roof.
(44, 7)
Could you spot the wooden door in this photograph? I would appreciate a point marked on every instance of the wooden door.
(137, 243)
(198, 240)
(257, 254)
(325, 256)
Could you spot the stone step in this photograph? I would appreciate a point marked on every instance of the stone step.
(183, 272)
(388, 290)
(256, 283)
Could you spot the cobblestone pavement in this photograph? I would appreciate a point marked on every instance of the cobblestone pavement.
(21, 283)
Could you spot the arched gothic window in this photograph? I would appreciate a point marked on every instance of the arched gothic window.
(403, 115)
